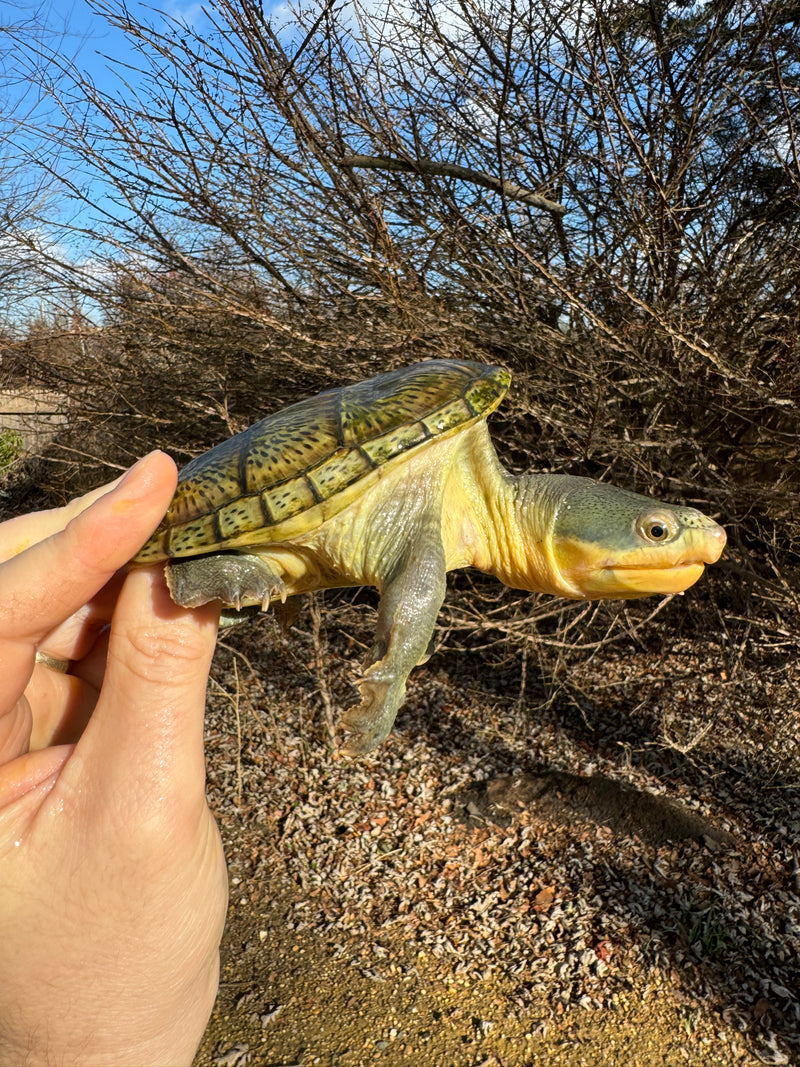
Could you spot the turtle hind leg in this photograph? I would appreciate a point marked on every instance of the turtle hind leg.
(234, 578)
(409, 606)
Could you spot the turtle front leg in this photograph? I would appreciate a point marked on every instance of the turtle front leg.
(409, 606)
(234, 578)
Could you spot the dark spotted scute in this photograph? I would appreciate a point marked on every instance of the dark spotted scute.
(299, 460)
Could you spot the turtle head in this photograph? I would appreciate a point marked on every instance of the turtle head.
(599, 541)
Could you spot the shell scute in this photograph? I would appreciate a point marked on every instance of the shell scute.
(485, 393)
(401, 439)
(243, 515)
(204, 487)
(339, 472)
(290, 441)
(448, 418)
(181, 539)
(289, 499)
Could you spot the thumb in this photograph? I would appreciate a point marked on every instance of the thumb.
(146, 734)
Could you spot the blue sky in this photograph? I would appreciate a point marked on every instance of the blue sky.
(77, 33)
(96, 44)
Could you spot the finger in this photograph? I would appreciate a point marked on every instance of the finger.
(92, 667)
(23, 531)
(31, 776)
(48, 582)
(147, 730)
(75, 638)
(55, 577)
(15, 730)
(61, 705)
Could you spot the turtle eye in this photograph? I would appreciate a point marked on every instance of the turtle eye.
(657, 527)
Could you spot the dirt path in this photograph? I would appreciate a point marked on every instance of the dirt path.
(298, 999)
(504, 885)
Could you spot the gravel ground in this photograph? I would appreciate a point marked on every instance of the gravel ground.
(606, 873)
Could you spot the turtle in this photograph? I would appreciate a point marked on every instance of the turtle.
(392, 482)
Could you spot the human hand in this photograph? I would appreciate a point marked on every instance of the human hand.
(112, 878)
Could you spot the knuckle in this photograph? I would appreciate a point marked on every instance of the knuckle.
(159, 653)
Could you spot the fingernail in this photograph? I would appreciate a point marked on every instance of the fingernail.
(131, 471)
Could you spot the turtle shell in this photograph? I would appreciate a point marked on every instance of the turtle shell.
(288, 473)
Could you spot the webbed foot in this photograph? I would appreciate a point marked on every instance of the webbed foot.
(370, 722)
(235, 579)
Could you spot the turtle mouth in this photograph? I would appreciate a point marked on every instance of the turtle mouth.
(646, 580)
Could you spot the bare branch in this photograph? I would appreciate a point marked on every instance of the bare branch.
(453, 170)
